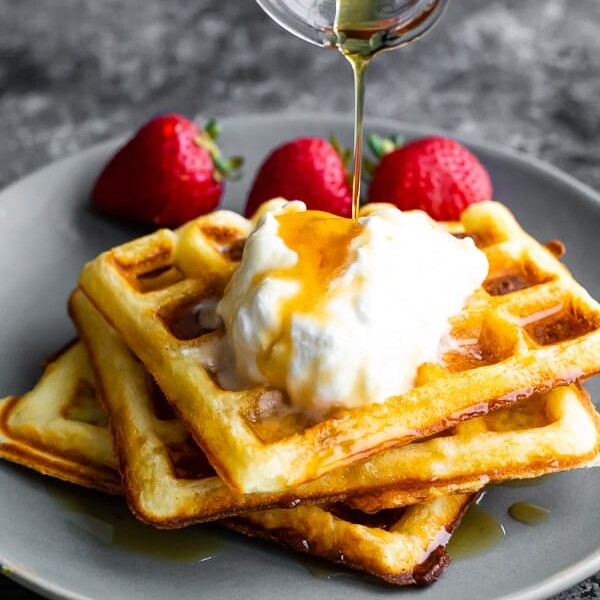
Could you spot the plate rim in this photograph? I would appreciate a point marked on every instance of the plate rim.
(554, 584)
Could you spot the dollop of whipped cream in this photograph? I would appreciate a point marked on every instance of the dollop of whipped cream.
(341, 313)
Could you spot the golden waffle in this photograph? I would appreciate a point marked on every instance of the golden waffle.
(169, 482)
(403, 546)
(58, 428)
(166, 477)
(547, 432)
(530, 328)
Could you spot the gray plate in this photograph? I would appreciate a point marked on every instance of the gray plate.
(67, 543)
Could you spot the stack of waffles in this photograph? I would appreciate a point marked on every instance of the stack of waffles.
(137, 406)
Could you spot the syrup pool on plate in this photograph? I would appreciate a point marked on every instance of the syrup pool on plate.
(359, 29)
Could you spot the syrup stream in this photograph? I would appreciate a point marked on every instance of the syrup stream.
(355, 43)
(359, 67)
(361, 32)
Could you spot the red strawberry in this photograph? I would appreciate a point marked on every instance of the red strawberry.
(307, 169)
(435, 174)
(168, 173)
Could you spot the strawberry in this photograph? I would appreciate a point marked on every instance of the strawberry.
(169, 172)
(434, 174)
(308, 169)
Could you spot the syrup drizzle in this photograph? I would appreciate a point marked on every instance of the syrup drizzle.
(323, 244)
(528, 513)
(478, 532)
(356, 45)
(359, 67)
(359, 43)
(108, 522)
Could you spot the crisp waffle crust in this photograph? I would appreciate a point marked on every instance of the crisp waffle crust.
(59, 429)
(403, 547)
(530, 328)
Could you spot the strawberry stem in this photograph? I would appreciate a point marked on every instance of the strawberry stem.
(380, 146)
(227, 168)
(213, 129)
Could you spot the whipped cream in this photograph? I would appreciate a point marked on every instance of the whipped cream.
(341, 313)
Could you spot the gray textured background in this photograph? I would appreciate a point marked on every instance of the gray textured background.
(74, 72)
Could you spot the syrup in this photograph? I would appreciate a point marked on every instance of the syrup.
(478, 531)
(360, 32)
(107, 521)
(322, 242)
(320, 568)
(528, 513)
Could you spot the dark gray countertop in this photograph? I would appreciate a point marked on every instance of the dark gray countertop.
(74, 72)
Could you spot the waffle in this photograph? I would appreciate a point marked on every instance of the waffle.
(549, 432)
(167, 479)
(530, 328)
(169, 483)
(403, 546)
(59, 429)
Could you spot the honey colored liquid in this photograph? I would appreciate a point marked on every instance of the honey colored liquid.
(353, 42)
(360, 34)
(479, 531)
(107, 521)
